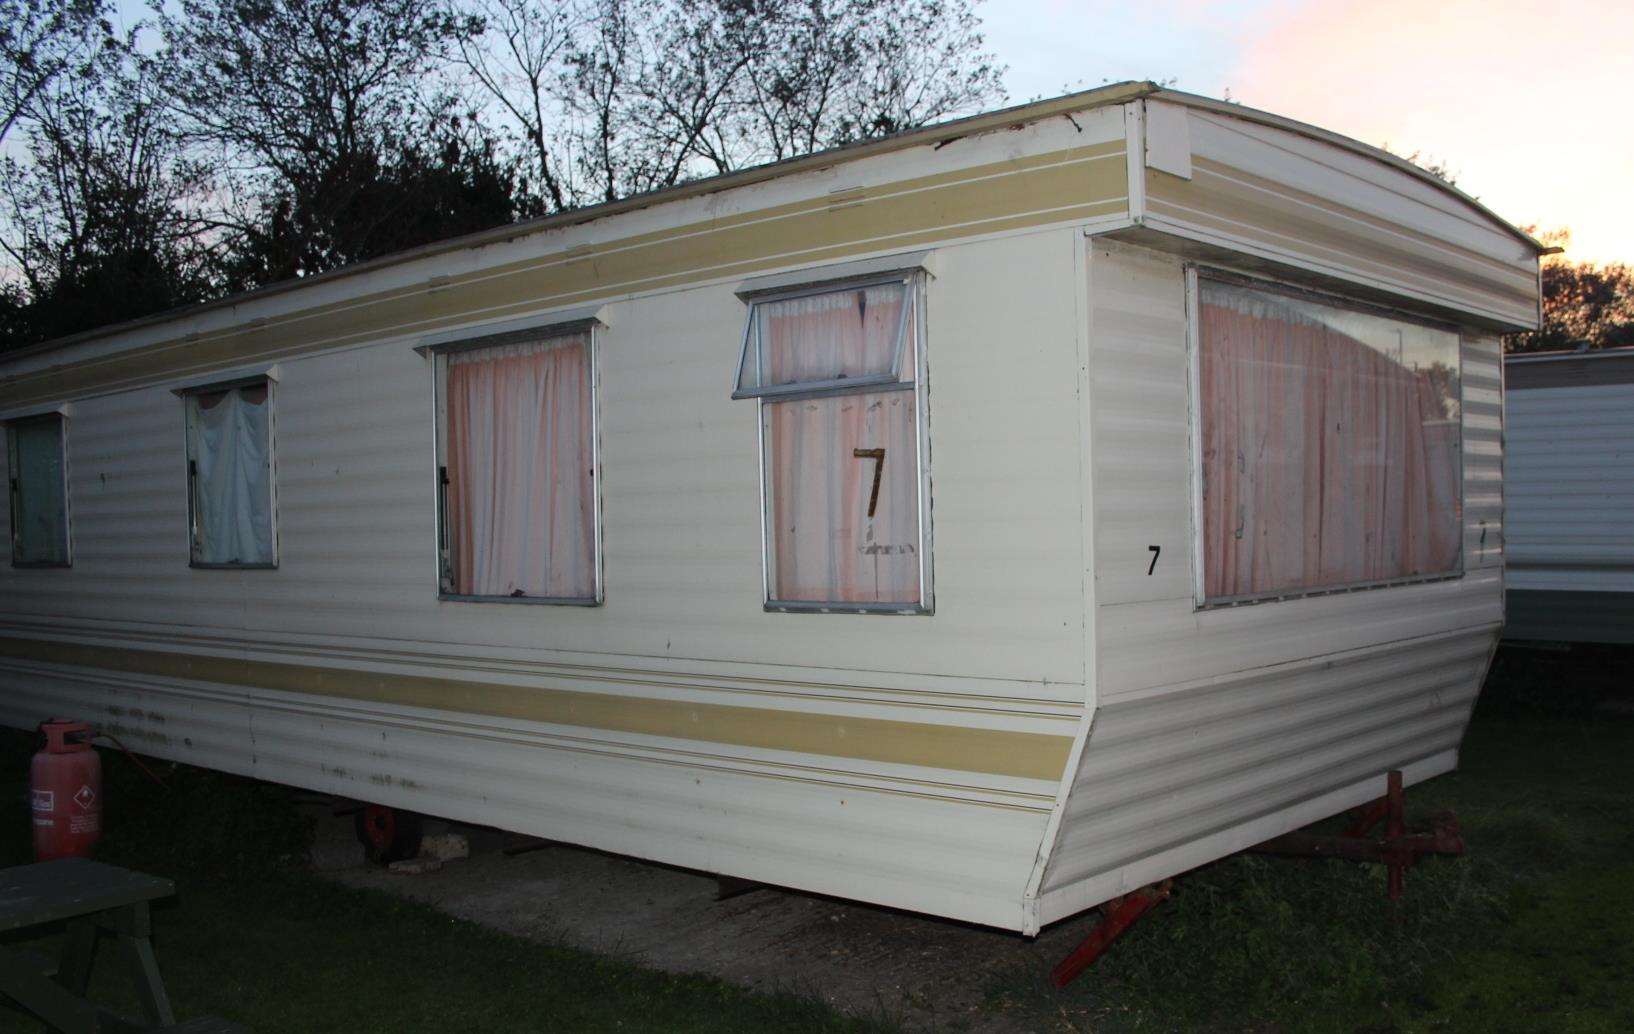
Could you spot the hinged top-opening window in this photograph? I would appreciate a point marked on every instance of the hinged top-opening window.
(815, 340)
(838, 372)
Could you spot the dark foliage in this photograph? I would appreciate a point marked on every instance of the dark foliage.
(368, 204)
(1584, 306)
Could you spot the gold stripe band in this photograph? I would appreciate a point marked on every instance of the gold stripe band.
(1024, 755)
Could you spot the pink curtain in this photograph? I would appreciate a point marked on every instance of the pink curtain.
(826, 546)
(833, 540)
(849, 333)
(1326, 461)
(521, 495)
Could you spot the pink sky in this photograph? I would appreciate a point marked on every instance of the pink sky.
(1531, 104)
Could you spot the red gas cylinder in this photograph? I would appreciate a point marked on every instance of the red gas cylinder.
(65, 792)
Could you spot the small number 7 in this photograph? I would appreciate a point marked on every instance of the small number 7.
(1156, 552)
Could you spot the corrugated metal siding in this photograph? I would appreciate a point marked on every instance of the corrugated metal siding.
(1217, 725)
(949, 852)
(355, 592)
(1292, 199)
(1571, 488)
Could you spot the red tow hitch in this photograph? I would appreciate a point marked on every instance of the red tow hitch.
(1117, 916)
(1396, 847)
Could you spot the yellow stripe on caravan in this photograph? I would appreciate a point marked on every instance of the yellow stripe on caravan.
(1024, 755)
(1035, 190)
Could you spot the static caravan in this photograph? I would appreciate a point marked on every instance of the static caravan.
(1570, 491)
(983, 521)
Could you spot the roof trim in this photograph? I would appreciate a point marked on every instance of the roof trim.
(1623, 352)
(945, 132)
(1265, 118)
(940, 133)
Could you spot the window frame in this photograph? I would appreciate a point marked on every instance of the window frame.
(438, 355)
(808, 389)
(915, 280)
(187, 395)
(14, 492)
(1195, 274)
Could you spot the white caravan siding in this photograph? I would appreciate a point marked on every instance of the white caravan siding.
(1571, 497)
(1272, 194)
(1216, 729)
(356, 590)
(1571, 488)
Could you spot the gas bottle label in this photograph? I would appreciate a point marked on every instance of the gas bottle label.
(83, 824)
(85, 798)
(42, 800)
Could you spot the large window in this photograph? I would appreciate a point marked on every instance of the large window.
(1329, 444)
(39, 492)
(836, 372)
(229, 475)
(517, 469)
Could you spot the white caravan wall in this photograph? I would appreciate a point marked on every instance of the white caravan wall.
(1571, 488)
(1216, 729)
(356, 590)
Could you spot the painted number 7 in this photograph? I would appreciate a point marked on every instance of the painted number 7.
(878, 456)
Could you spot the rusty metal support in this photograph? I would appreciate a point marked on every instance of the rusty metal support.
(1117, 916)
(1396, 847)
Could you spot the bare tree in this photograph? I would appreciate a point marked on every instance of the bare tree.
(618, 97)
(40, 41)
(518, 60)
(102, 220)
(300, 99)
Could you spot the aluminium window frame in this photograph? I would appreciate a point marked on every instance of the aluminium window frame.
(1195, 273)
(187, 395)
(592, 328)
(14, 491)
(798, 389)
(914, 309)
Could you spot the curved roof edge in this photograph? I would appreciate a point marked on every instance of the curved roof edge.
(943, 132)
(1266, 118)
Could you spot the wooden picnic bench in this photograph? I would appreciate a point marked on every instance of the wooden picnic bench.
(91, 899)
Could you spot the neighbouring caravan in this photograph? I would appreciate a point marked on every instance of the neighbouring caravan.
(1569, 487)
(984, 521)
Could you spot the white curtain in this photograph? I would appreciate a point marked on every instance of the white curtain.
(232, 488)
(41, 535)
(849, 333)
(1330, 445)
(833, 538)
(521, 494)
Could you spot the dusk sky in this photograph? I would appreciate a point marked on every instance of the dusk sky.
(1528, 102)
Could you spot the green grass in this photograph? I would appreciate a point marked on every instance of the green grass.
(1531, 930)
(254, 938)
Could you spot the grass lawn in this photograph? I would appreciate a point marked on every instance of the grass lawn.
(1532, 930)
(253, 937)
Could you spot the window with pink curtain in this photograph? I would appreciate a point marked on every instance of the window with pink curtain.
(1330, 445)
(518, 451)
(842, 471)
